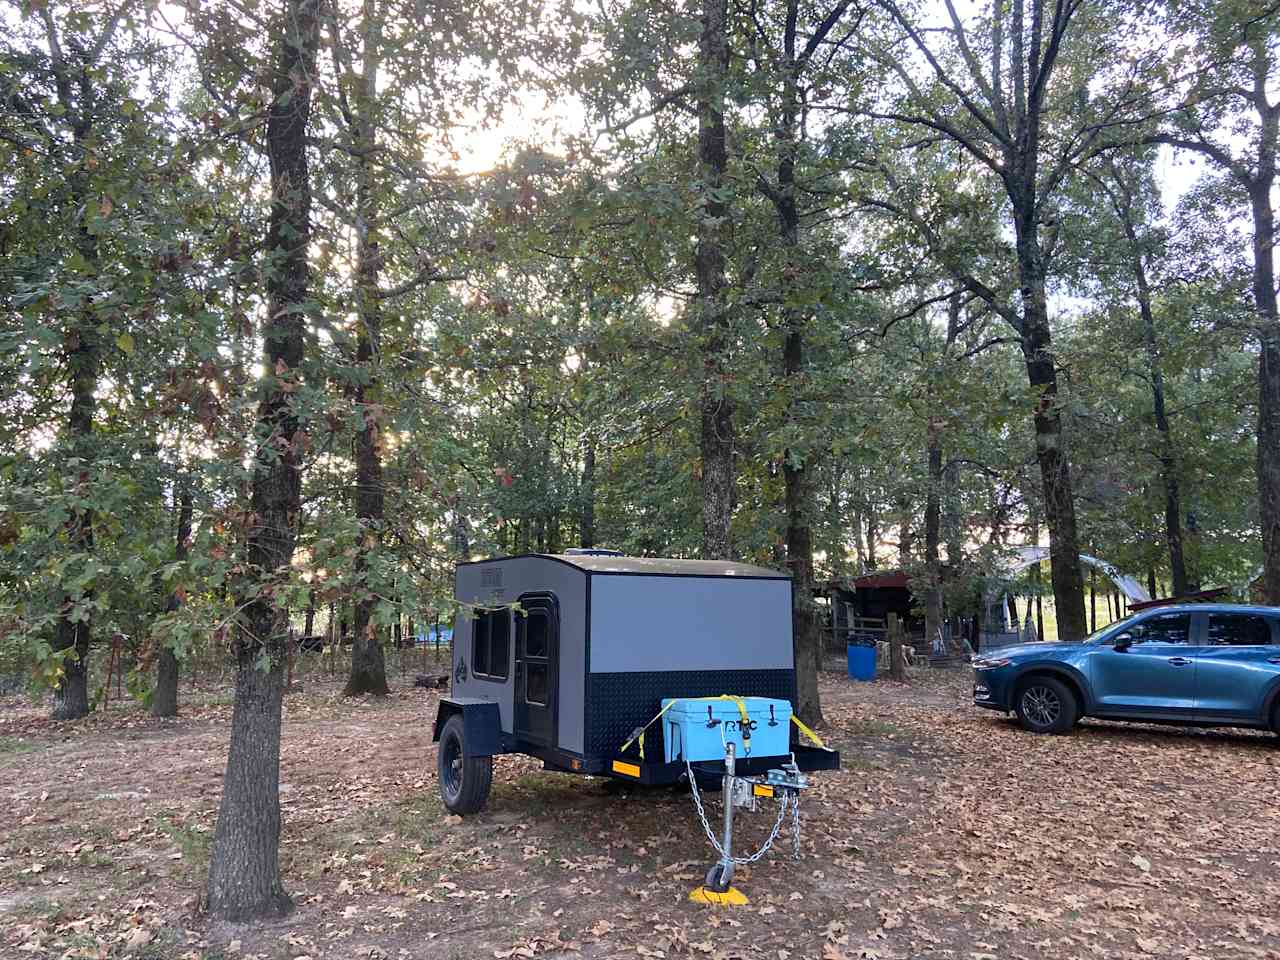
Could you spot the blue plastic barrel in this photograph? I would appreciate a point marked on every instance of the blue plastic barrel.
(862, 662)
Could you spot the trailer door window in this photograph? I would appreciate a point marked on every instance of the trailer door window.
(537, 686)
(491, 644)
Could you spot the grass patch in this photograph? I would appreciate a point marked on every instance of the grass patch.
(875, 728)
(193, 843)
(13, 746)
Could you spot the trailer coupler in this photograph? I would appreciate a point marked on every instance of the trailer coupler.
(782, 784)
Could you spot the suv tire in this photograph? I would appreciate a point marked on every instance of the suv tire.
(1046, 705)
(464, 781)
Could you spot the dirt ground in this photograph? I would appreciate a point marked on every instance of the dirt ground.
(949, 833)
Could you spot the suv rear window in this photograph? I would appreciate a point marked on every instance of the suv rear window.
(1239, 630)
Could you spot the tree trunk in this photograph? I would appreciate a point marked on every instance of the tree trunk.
(71, 637)
(932, 530)
(368, 660)
(164, 699)
(897, 662)
(244, 872)
(906, 536)
(1168, 458)
(1264, 296)
(717, 434)
(1051, 452)
(873, 536)
(806, 625)
(71, 696)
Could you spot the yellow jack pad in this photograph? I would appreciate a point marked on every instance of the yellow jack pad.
(733, 897)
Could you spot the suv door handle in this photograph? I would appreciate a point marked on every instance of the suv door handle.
(1273, 659)
(1179, 661)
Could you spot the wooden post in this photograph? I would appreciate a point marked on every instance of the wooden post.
(897, 665)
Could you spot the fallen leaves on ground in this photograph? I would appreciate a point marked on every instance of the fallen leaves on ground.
(950, 833)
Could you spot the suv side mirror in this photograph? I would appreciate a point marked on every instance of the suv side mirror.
(1122, 642)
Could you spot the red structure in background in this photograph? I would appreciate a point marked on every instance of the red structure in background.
(1204, 596)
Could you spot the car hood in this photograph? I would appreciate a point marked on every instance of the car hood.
(1026, 649)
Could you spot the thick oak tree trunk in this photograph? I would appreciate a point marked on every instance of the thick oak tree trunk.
(1264, 296)
(717, 412)
(74, 628)
(244, 872)
(71, 695)
(1051, 451)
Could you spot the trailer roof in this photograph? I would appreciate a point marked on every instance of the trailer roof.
(654, 566)
(666, 566)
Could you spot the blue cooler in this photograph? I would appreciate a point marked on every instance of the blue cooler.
(697, 728)
(862, 662)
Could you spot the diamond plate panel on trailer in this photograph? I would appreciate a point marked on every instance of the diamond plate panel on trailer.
(620, 702)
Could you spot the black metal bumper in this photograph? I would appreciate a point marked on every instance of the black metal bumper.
(808, 759)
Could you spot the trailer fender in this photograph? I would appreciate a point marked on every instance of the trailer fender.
(481, 725)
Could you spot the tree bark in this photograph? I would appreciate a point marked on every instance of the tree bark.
(897, 662)
(1051, 453)
(71, 695)
(933, 530)
(712, 315)
(872, 531)
(310, 623)
(368, 659)
(1264, 297)
(244, 872)
(806, 623)
(76, 91)
(1122, 200)
(164, 699)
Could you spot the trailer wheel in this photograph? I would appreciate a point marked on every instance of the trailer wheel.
(719, 877)
(464, 781)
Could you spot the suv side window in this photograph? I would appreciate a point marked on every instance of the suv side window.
(1163, 628)
(1239, 630)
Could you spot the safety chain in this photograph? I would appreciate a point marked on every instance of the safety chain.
(787, 800)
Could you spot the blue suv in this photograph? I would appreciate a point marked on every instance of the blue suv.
(1189, 664)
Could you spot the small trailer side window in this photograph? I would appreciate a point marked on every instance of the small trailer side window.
(491, 644)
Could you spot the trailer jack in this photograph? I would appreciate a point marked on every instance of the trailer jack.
(783, 784)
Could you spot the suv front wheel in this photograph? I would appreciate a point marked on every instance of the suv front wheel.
(1046, 705)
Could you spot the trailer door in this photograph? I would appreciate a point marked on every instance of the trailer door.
(537, 647)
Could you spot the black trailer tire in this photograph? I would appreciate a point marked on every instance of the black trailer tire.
(1046, 705)
(464, 781)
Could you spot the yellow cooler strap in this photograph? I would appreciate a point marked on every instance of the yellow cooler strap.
(807, 732)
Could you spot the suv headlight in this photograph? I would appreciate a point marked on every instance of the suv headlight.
(985, 663)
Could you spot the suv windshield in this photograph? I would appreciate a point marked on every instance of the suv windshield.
(1109, 628)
